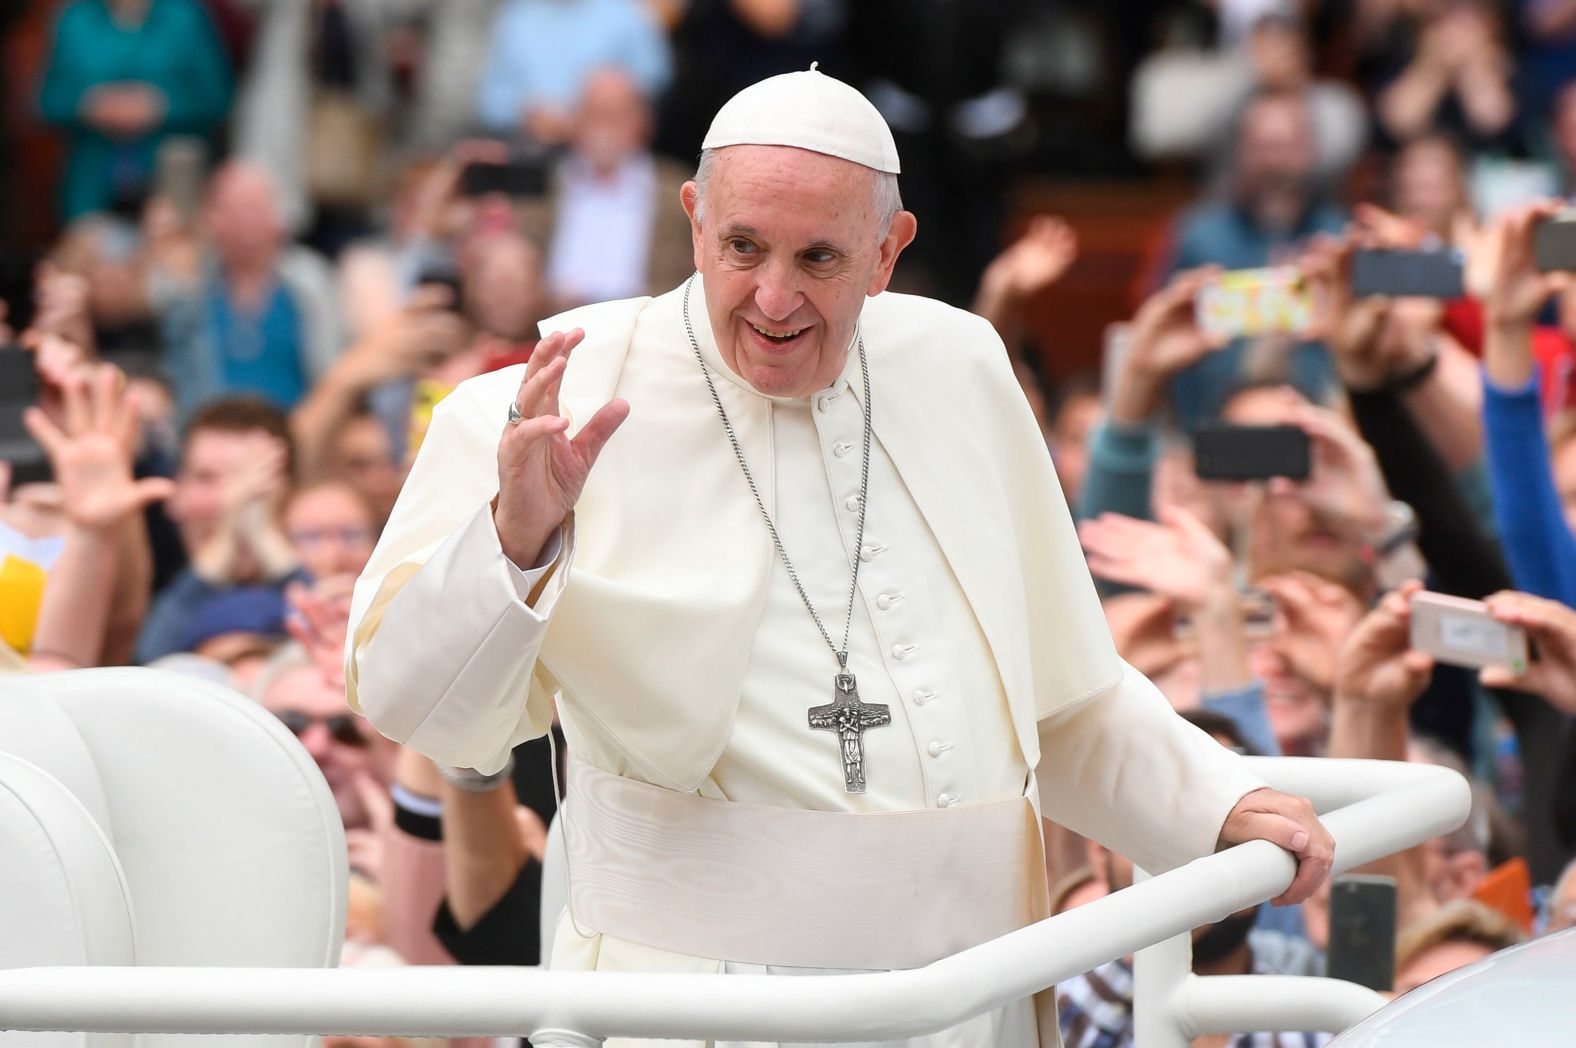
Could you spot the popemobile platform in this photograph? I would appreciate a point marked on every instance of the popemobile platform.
(172, 864)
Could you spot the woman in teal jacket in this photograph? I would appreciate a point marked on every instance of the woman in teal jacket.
(122, 75)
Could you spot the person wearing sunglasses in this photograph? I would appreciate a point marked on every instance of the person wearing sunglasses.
(295, 690)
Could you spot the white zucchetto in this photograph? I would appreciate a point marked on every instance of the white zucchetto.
(808, 110)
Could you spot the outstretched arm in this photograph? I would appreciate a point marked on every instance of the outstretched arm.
(1124, 769)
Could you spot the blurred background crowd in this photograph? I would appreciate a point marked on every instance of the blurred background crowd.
(248, 245)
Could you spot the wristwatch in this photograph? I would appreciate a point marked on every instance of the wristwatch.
(1399, 529)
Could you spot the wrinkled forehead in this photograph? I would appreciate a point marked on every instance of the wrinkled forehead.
(787, 188)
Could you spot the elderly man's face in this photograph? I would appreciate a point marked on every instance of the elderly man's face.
(790, 246)
(243, 215)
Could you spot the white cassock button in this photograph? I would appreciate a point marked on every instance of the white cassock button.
(937, 748)
(886, 600)
(868, 553)
(947, 800)
(903, 651)
(826, 400)
(842, 448)
(923, 697)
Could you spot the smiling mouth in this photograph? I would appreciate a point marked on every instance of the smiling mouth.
(779, 337)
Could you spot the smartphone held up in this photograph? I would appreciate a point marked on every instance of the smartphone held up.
(1429, 273)
(1461, 632)
(1554, 242)
(1222, 451)
(1246, 303)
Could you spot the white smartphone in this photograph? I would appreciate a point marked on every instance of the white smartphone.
(1246, 303)
(1461, 632)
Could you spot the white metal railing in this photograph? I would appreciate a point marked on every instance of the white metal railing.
(1372, 808)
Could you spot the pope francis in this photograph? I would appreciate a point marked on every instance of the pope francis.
(816, 623)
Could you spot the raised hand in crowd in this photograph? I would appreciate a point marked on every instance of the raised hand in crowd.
(1458, 54)
(1179, 557)
(423, 334)
(1028, 266)
(1551, 627)
(1347, 324)
(1345, 487)
(1319, 615)
(1182, 560)
(63, 308)
(438, 211)
(92, 450)
(1502, 272)
(1379, 343)
(91, 445)
(249, 543)
(1377, 678)
(318, 619)
(1165, 339)
(366, 844)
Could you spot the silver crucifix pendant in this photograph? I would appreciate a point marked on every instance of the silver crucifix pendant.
(850, 718)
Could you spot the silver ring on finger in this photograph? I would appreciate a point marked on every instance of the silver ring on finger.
(515, 417)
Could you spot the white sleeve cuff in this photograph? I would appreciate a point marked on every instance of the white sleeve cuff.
(527, 579)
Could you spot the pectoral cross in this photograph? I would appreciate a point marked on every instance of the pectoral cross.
(850, 718)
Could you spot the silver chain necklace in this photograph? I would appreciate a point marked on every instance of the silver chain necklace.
(845, 714)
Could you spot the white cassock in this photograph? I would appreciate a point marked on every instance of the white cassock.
(681, 657)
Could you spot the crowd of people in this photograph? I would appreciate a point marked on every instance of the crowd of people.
(289, 229)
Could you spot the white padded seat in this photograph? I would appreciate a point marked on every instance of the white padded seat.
(149, 818)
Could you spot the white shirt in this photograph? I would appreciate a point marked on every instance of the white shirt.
(914, 645)
(602, 233)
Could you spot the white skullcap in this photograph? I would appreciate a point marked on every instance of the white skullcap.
(808, 110)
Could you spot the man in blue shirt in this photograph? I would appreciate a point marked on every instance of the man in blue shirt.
(542, 51)
(260, 317)
(1270, 209)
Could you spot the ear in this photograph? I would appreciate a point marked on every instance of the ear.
(689, 193)
(899, 236)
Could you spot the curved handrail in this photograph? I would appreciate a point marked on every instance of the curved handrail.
(1379, 808)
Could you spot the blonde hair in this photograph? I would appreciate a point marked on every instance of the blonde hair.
(1460, 921)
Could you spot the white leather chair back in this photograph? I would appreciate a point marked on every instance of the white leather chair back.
(148, 818)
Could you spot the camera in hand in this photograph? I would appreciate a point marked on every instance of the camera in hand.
(1419, 274)
(516, 178)
(1362, 930)
(1461, 632)
(1554, 243)
(1222, 451)
(442, 272)
(18, 392)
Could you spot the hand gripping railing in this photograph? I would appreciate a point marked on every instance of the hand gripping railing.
(1372, 808)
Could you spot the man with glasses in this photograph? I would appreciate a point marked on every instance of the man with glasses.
(294, 689)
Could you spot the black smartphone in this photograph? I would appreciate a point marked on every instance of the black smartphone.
(517, 178)
(18, 392)
(16, 287)
(1362, 930)
(1222, 451)
(1421, 274)
(1554, 243)
(443, 273)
